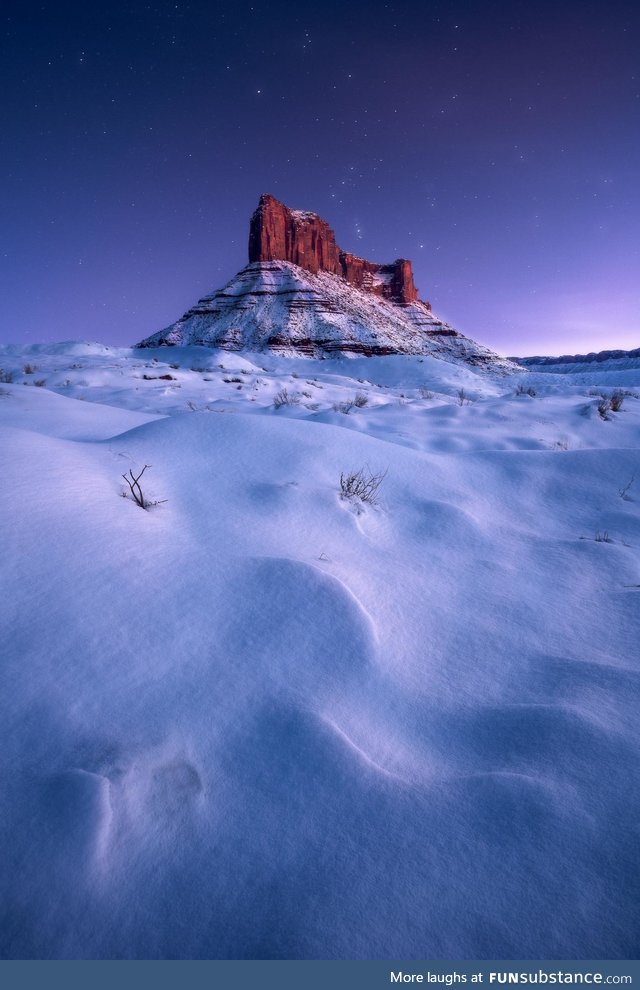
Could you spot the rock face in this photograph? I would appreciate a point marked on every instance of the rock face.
(278, 233)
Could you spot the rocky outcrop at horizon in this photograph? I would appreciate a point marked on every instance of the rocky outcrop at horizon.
(278, 233)
(592, 357)
(301, 295)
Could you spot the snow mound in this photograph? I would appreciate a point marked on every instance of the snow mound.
(260, 720)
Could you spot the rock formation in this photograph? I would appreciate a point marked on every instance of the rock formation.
(301, 295)
(278, 233)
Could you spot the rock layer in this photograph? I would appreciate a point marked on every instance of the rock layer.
(277, 233)
(278, 306)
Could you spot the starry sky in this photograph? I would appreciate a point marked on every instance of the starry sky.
(496, 144)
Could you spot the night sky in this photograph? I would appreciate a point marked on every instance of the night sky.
(497, 145)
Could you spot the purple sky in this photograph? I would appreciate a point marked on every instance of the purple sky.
(496, 144)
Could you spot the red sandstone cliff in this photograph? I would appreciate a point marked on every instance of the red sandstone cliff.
(277, 233)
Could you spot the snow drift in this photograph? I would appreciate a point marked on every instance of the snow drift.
(262, 721)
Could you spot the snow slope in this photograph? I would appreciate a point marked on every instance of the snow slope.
(262, 721)
(281, 307)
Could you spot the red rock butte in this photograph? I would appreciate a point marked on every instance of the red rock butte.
(277, 233)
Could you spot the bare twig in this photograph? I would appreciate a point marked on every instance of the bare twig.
(362, 484)
(624, 492)
(134, 486)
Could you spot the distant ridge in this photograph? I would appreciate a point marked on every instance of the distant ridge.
(590, 358)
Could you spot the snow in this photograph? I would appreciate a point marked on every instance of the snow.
(303, 216)
(260, 721)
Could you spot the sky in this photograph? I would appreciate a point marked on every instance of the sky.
(496, 144)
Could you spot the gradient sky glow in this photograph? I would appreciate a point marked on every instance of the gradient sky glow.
(496, 144)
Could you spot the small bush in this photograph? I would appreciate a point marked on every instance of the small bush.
(363, 485)
(360, 400)
(40, 382)
(616, 400)
(521, 390)
(603, 408)
(603, 537)
(426, 393)
(344, 407)
(463, 398)
(283, 398)
(174, 366)
(6, 377)
(28, 369)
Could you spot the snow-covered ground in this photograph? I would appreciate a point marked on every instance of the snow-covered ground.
(261, 720)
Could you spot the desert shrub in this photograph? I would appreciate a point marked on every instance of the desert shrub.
(284, 398)
(426, 393)
(344, 407)
(603, 537)
(28, 369)
(175, 366)
(360, 400)
(463, 398)
(363, 484)
(40, 382)
(603, 408)
(6, 377)
(616, 400)
(521, 390)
